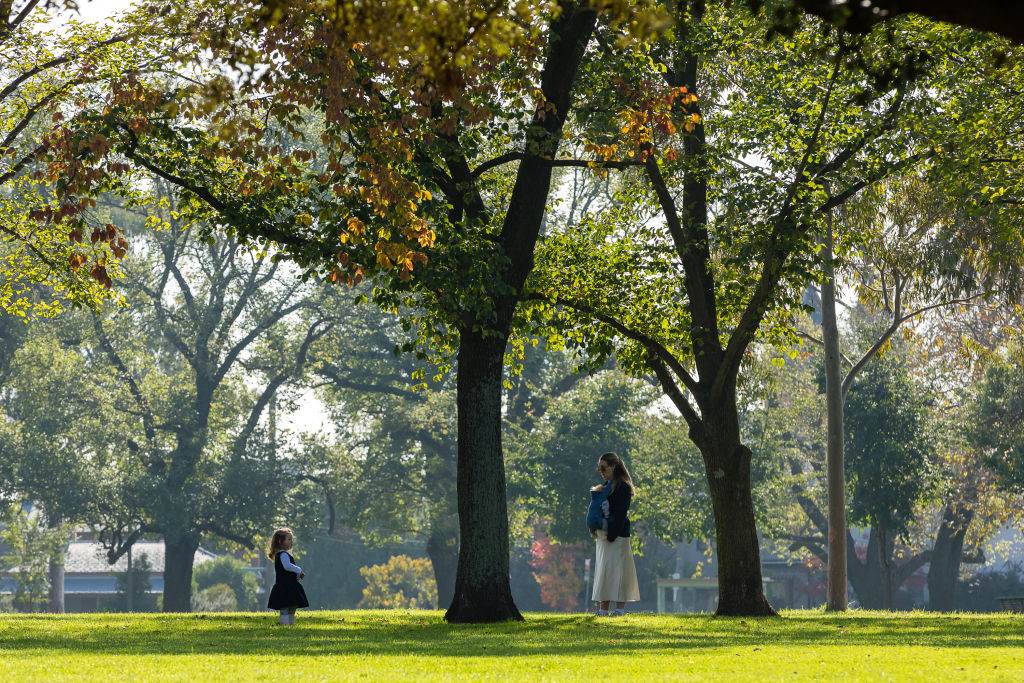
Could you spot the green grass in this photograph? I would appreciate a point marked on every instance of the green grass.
(803, 645)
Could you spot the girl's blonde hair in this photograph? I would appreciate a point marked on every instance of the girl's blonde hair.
(277, 540)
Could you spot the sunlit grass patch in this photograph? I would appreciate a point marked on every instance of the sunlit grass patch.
(803, 645)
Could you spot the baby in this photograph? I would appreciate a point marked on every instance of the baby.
(597, 513)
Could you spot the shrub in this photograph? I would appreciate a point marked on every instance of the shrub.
(230, 571)
(401, 583)
(981, 592)
(218, 598)
(558, 572)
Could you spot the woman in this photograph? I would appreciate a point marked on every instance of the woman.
(615, 574)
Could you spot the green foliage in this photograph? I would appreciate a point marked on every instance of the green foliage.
(136, 581)
(887, 447)
(54, 251)
(401, 583)
(997, 422)
(552, 467)
(60, 434)
(233, 573)
(217, 598)
(33, 546)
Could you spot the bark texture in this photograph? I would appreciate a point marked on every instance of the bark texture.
(178, 557)
(443, 551)
(482, 589)
(946, 557)
(836, 599)
(55, 596)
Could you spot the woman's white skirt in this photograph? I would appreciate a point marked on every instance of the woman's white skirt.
(615, 573)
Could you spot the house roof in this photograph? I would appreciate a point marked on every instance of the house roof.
(89, 557)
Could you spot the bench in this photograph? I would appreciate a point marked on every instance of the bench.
(1015, 604)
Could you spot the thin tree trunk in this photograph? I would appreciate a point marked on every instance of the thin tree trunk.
(443, 551)
(482, 589)
(944, 569)
(130, 584)
(884, 565)
(55, 597)
(837, 597)
(178, 557)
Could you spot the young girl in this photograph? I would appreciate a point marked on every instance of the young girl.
(287, 594)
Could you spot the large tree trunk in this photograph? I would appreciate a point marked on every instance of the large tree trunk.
(482, 589)
(866, 577)
(443, 551)
(860, 578)
(727, 464)
(178, 557)
(944, 569)
(836, 599)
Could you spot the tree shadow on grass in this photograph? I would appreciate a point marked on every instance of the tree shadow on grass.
(426, 634)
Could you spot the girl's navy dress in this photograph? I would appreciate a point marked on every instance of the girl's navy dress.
(287, 591)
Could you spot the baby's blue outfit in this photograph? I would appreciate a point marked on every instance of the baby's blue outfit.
(597, 513)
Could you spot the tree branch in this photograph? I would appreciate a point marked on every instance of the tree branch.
(815, 340)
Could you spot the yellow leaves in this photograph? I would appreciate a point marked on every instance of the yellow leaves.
(355, 226)
(393, 256)
(304, 219)
(605, 152)
(402, 583)
(426, 239)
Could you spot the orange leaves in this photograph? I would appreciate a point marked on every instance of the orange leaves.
(393, 256)
(99, 273)
(426, 239)
(654, 115)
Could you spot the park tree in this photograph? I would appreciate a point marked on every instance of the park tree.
(210, 336)
(393, 416)
(886, 466)
(685, 299)
(997, 420)
(59, 433)
(895, 242)
(33, 542)
(949, 525)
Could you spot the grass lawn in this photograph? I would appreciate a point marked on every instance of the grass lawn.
(803, 645)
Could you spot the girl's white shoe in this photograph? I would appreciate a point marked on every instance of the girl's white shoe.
(619, 613)
(602, 612)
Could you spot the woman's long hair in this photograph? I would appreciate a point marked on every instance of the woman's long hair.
(619, 471)
(277, 540)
